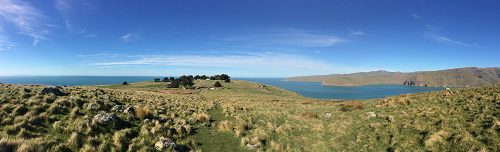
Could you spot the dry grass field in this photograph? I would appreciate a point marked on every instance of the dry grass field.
(243, 116)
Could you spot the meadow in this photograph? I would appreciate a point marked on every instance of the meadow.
(243, 116)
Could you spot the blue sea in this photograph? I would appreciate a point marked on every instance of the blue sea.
(308, 89)
(316, 90)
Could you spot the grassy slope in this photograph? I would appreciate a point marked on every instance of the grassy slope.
(265, 118)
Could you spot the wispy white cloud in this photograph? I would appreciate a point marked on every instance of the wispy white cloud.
(5, 44)
(433, 34)
(290, 36)
(270, 63)
(128, 37)
(356, 33)
(29, 20)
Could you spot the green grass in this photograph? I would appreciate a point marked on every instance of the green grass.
(243, 114)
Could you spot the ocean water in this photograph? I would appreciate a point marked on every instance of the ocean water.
(72, 80)
(308, 89)
(316, 90)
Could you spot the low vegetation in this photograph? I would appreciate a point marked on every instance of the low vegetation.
(243, 116)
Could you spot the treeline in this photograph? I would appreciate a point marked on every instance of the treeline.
(187, 81)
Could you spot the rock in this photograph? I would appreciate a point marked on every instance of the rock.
(146, 121)
(328, 114)
(54, 90)
(104, 118)
(129, 111)
(164, 143)
(93, 106)
(389, 118)
(118, 108)
(370, 115)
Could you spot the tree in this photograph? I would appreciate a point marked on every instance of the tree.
(223, 77)
(172, 79)
(124, 83)
(157, 79)
(186, 81)
(217, 84)
(173, 84)
(165, 79)
(227, 80)
(197, 77)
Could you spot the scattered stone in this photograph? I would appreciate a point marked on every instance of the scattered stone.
(54, 90)
(164, 143)
(370, 115)
(118, 108)
(262, 86)
(146, 121)
(328, 114)
(252, 146)
(389, 118)
(93, 106)
(130, 111)
(104, 118)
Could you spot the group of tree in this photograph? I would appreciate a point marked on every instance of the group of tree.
(183, 81)
(187, 81)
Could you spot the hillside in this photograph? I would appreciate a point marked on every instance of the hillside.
(242, 116)
(460, 77)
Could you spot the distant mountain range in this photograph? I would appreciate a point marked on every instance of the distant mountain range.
(460, 77)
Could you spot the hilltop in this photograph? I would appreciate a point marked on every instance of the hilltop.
(460, 77)
(242, 116)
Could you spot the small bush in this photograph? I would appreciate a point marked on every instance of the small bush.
(202, 117)
(75, 141)
(351, 106)
(217, 84)
(124, 83)
(309, 115)
(143, 112)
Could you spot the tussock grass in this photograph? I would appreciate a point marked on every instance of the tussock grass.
(250, 115)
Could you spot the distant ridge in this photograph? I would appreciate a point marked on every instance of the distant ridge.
(459, 77)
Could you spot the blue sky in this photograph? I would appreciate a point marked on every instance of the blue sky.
(247, 38)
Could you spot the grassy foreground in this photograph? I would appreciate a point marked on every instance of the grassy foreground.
(243, 116)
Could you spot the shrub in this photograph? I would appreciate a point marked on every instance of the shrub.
(227, 80)
(20, 110)
(225, 126)
(124, 83)
(120, 139)
(75, 141)
(143, 112)
(217, 84)
(202, 117)
(351, 106)
(309, 115)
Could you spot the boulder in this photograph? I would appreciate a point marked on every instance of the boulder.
(130, 111)
(118, 108)
(104, 118)
(53, 90)
(164, 143)
(92, 106)
(370, 115)
(328, 114)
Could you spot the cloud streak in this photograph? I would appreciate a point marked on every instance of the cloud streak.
(289, 36)
(270, 63)
(433, 33)
(26, 18)
(129, 37)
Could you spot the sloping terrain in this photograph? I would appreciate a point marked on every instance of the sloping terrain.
(461, 77)
(245, 116)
